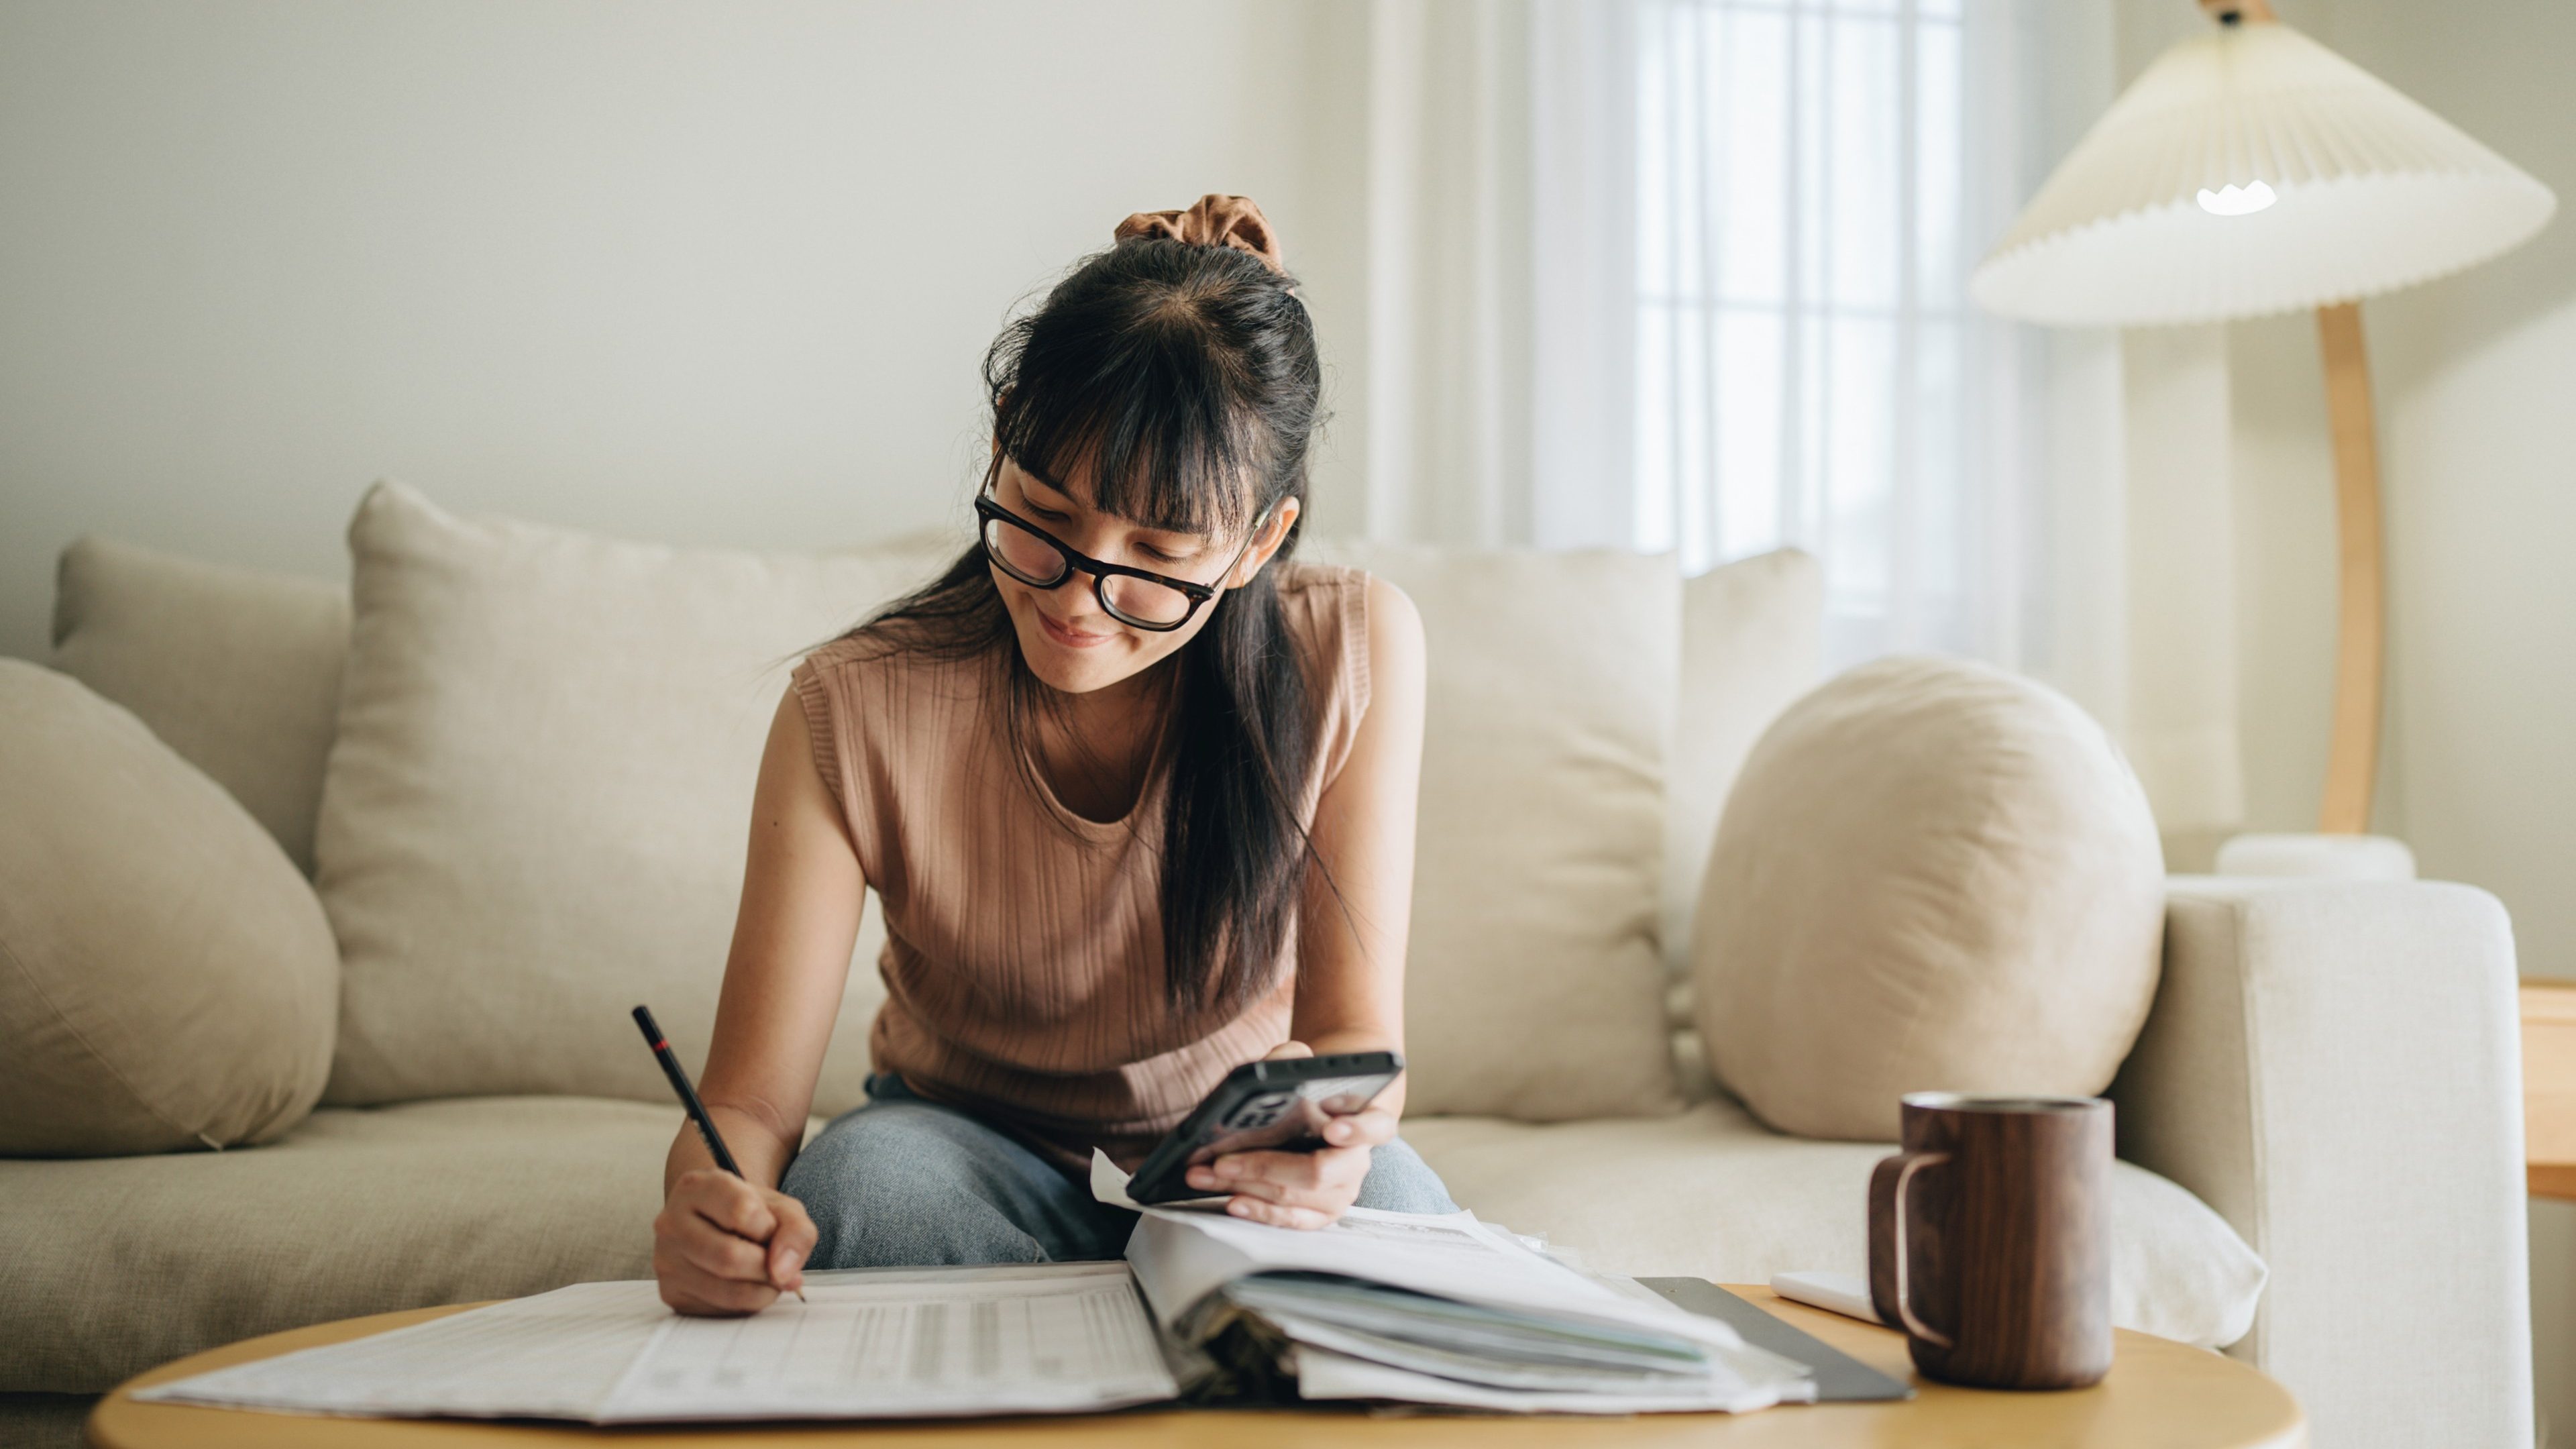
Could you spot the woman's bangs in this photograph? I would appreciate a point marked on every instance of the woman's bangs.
(1158, 447)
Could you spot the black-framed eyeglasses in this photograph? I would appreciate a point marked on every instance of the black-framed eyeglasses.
(1135, 597)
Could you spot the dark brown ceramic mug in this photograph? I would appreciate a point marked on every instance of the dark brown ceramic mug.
(1990, 1239)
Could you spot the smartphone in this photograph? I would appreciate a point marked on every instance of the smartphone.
(1266, 1106)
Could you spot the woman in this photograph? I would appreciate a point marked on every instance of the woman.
(1135, 791)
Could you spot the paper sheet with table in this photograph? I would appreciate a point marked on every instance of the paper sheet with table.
(1425, 1309)
(1051, 1337)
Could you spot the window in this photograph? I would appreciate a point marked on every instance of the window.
(1806, 369)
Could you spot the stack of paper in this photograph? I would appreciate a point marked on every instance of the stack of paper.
(1442, 1310)
(1453, 1340)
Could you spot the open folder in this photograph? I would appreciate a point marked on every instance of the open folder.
(1205, 1307)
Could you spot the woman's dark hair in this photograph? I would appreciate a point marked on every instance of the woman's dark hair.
(1185, 377)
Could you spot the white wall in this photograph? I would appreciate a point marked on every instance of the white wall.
(696, 272)
(2475, 379)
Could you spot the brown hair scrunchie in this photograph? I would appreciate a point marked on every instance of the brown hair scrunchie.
(1215, 220)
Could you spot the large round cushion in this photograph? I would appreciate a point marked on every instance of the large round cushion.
(1931, 875)
(167, 978)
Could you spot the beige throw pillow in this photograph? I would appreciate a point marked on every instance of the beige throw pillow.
(1533, 985)
(237, 670)
(1752, 645)
(535, 814)
(166, 977)
(1931, 875)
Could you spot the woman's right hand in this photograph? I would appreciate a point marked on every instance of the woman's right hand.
(722, 1246)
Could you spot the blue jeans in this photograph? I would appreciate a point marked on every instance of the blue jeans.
(899, 1182)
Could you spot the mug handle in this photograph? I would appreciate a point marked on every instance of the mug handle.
(1907, 1166)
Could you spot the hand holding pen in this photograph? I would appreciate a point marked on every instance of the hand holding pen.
(721, 1244)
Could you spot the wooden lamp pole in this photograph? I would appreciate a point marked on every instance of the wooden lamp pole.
(2352, 755)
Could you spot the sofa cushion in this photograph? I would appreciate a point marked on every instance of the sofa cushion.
(1940, 876)
(1712, 1193)
(535, 812)
(166, 977)
(1535, 886)
(1752, 643)
(110, 1266)
(236, 670)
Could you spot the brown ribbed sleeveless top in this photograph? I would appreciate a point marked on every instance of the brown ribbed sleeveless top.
(1023, 962)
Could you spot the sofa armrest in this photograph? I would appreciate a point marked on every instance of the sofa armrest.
(2336, 1067)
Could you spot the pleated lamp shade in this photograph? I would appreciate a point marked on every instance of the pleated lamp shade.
(2251, 170)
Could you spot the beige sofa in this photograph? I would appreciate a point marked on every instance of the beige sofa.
(2319, 1125)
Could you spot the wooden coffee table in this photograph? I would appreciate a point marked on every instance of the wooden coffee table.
(2160, 1393)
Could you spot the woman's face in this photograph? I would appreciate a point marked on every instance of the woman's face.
(1070, 642)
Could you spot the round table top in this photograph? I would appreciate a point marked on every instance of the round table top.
(2159, 1393)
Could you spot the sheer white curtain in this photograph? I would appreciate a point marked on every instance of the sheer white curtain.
(1500, 238)
(1688, 275)
(1813, 183)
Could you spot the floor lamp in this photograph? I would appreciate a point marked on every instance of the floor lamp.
(2252, 171)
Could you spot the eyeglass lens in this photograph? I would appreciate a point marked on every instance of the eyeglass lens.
(1035, 561)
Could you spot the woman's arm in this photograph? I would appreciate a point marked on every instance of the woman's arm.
(1350, 957)
(725, 1244)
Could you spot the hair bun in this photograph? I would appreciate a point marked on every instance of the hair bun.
(1217, 220)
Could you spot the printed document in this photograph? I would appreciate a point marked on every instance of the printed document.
(1071, 1339)
(1046, 1338)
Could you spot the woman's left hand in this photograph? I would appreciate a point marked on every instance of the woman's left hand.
(1299, 1189)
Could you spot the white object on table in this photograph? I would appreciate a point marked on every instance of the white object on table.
(1833, 1292)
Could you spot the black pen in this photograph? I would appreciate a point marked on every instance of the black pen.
(689, 1097)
